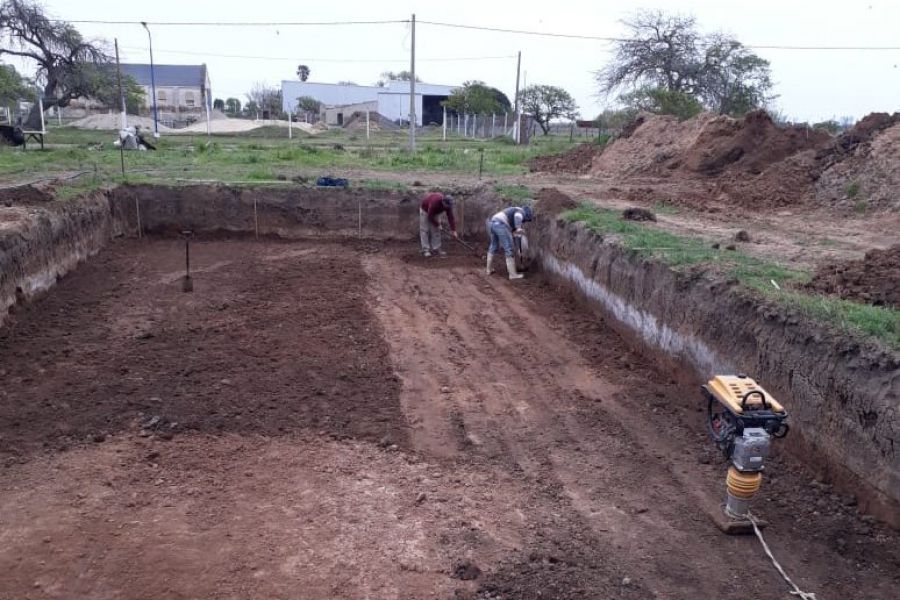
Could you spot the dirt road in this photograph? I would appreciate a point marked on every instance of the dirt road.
(350, 421)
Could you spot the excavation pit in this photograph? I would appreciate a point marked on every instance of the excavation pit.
(340, 417)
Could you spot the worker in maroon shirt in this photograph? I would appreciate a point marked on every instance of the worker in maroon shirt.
(432, 206)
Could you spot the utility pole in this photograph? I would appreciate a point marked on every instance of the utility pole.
(518, 118)
(122, 97)
(152, 83)
(412, 88)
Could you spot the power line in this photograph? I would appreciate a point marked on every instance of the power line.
(231, 23)
(322, 60)
(615, 39)
(454, 26)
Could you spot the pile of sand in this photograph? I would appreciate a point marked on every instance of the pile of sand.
(874, 280)
(227, 125)
(114, 122)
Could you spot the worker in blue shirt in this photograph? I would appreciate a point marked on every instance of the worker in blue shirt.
(501, 228)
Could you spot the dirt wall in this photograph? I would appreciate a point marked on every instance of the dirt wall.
(39, 243)
(843, 396)
(285, 212)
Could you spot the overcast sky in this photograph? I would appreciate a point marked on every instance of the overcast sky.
(811, 85)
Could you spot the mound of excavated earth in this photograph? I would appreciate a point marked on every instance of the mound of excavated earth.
(875, 279)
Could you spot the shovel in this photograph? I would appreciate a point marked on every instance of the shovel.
(187, 284)
(468, 246)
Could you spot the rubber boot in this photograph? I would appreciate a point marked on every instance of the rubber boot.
(490, 259)
(511, 268)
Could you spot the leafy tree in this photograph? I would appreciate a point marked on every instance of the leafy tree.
(733, 80)
(12, 86)
(106, 91)
(68, 66)
(308, 104)
(547, 102)
(389, 76)
(303, 72)
(664, 58)
(477, 98)
(660, 101)
(219, 104)
(265, 98)
(615, 118)
(251, 109)
(232, 106)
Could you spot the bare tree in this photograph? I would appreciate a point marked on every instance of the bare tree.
(660, 51)
(664, 62)
(303, 72)
(68, 66)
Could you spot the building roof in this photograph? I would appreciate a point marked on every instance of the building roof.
(167, 75)
(336, 94)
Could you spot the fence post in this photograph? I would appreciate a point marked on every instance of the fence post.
(493, 125)
(505, 123)
(444, 124)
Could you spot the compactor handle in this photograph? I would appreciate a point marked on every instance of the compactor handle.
(759, 393)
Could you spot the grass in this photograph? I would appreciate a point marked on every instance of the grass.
(239, 157)
(753, 273)
(516, 193)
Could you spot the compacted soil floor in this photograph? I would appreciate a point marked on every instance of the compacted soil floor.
(350, 420)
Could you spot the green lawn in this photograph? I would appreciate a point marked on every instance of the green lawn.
(771, 280)
(266, 153)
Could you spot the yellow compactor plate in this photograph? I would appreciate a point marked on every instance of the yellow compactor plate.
(730, 389)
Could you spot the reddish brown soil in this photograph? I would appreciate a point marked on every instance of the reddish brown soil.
(874, 280)
(750, 164)
(577, 160)
(550, 201)
(350, 424)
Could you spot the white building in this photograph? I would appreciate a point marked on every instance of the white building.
(391, 101)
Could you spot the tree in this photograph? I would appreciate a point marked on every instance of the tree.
(547, 102)
(303, 72)
(477, 98)
(106, 91)
(68, 66)
(308, 104)
(251, 109)
(13, 87)
(733, 80)
(389, 76)
(265, 98)
(664, 60)
(219, 104)
(232, 106)
(660, 101)
(659, 51)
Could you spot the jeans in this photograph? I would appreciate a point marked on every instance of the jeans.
(429, 235)
(500, 235)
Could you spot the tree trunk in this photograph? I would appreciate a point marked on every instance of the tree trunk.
(545, 127)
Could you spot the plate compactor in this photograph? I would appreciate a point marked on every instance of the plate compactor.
(742, 420)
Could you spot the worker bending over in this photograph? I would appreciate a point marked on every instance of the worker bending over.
(501, 229)
(432, 206)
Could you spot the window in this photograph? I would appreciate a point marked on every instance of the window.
(189, 98)
(161, 97)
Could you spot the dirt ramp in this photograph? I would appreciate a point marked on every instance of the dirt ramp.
(875, 279)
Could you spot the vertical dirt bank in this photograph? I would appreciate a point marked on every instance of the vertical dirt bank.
(843, 396)
(284, 212)
(41, 242)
